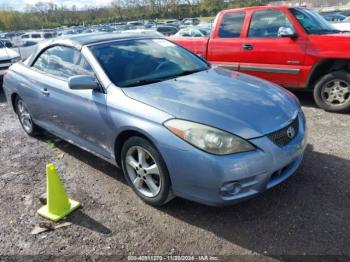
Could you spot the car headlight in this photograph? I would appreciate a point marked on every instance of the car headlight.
(15, 59)
(207, 138)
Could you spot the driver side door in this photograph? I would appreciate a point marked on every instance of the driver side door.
(267, 55)
(78, 116)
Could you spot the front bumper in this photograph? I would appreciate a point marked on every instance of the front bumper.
(223, 180)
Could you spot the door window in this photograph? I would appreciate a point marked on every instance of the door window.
(231, 25)
(267, 23)
(63, 62)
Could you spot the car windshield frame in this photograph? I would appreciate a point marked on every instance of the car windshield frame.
(152, 77)
(319, 24)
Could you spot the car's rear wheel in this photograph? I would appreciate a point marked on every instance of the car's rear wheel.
(145, 171)
(332, 92)
(25, 118)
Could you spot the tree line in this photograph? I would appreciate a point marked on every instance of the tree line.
(51, 15)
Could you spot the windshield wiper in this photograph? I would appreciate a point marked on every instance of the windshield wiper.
(144, 82)
(190, 72)
(160, 79)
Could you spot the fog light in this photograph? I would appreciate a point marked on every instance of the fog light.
(231, 188)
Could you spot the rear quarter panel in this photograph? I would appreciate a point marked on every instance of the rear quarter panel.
(22, 81)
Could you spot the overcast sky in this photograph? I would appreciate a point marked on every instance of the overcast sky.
(21, 4)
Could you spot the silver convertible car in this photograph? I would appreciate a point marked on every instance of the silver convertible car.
(174, 124)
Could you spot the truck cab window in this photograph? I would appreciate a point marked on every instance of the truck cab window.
(231, 25)
(266, 24)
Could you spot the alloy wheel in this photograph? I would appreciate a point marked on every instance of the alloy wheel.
(143, 171)
(24, 116)
(336, 92)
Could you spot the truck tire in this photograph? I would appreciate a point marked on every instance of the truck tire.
(332, 92)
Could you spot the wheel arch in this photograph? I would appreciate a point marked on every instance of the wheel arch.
(13, 101)
(123, 136)
(324, 67)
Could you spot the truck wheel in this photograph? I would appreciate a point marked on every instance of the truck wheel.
(332, 92)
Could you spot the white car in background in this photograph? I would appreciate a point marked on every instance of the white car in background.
(26, 49)
(7, 57)
(37, 36)
(343, 26)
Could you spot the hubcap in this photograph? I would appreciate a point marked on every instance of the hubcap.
(143, 171)
(24, 116)
(336, 92)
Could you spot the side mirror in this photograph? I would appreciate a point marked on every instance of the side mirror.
(82, 82)
(286, 32)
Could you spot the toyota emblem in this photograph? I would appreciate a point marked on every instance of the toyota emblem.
(291, 132)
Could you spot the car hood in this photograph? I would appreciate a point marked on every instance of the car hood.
(6, 53)
(246, 106)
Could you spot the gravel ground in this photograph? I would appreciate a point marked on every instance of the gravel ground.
(307, 216)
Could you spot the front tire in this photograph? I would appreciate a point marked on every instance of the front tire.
(25, 118)
(332, 92)
(145, 171)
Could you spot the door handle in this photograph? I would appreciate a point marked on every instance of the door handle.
(45, 91)
(248, 47)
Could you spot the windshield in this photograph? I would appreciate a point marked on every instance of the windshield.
(144, 61)
(312, 22)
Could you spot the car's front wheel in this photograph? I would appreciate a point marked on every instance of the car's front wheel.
(25, 118)
(145, 171)
(332, 92)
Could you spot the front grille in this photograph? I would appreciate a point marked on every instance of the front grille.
(281, 137)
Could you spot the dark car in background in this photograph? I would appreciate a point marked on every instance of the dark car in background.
(167, 30)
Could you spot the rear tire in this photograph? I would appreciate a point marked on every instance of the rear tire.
(332, 92)
(145, 171)
(25, 118)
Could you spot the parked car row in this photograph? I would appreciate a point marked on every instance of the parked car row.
(25, 42)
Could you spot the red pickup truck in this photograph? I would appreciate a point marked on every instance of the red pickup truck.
(294, 47)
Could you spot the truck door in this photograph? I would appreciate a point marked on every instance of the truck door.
(225, 44)
(271, 51)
